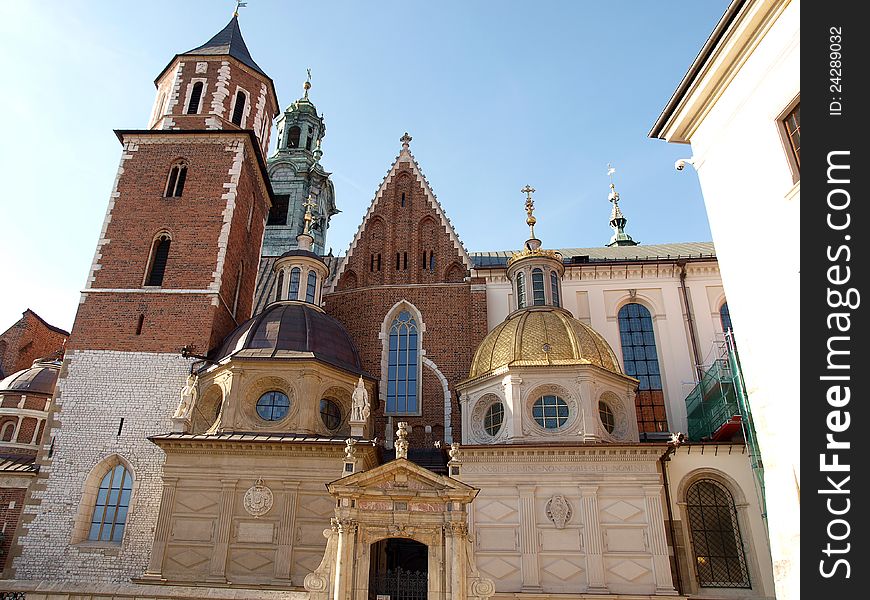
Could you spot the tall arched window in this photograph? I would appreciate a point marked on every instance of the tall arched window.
(725, 318)
(239, 108)
(554, 287)
(293, 292)
(279, 286)
(110, 510)
(293, 137)
(640, 360)
(8, 432)
(195, 95)
(521, 290)
(159, 257)
(538, 287)
(176, 179)
(716, 543)
(403, 365)
(311, 288)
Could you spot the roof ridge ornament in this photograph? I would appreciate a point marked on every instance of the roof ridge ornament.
(617, 219)
(406, 142)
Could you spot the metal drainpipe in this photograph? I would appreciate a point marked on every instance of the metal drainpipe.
(690, 321)
(664, 459)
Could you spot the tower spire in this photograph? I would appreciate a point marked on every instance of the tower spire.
(307, 85)
(532, 243)
(617, 219)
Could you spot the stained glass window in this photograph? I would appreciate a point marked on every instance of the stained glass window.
(403, 366)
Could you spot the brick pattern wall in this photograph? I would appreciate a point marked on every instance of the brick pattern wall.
(210, 235)
(453, 311)
(95, 390)
(27, 340)
(11, 505)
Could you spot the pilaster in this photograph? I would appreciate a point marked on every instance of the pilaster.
(594, 545)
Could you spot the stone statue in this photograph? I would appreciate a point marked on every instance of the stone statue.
(454, 451)
(360, 409)
(188, 399)
(350, 450)
(402, 440)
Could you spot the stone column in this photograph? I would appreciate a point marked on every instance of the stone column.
(161, 535)
(658, 544)
(513, 399)
(456, 536)
(344, 556)
(217, 568)
(593, 541)
(529, 539)
(286, 527)
(589, 429)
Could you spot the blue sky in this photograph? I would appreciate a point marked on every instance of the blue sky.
(495, 94)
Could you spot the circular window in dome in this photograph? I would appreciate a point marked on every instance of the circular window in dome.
(330, 413)
(550, 411)
(493, 419)
(605, 413)
(273, 406)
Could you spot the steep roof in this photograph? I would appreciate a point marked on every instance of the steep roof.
(229, 41)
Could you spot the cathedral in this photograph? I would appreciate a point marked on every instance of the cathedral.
(240, 414)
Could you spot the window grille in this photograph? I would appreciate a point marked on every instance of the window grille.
(640, 360)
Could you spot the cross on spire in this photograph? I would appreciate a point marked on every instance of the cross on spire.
(530, 208)
(406, 141)
(307, 85)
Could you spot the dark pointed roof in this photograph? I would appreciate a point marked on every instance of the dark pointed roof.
(229, 41)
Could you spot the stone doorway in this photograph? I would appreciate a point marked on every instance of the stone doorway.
(398, 570)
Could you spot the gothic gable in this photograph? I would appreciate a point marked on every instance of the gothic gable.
(405, 236)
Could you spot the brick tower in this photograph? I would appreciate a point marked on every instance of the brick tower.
(175, 266)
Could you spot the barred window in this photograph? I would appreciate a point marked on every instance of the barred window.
(110, 510)
(403, 365)
(640, 360)
(521, 290)
(716, 543)
(493, 418)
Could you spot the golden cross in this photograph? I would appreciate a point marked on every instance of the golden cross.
(530, 208)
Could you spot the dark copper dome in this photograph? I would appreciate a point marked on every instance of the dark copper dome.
(38, 379)
(288, 329)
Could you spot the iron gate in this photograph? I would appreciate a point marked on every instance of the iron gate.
(400, 584)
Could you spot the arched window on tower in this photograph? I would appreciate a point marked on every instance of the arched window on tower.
(293, 292)
(110, 510)
(195, 96)
(554, 285)
(293, 137)
(279, 286)
(725, 318)
(159, 258)
(716, 542)
(521, 290)
(538, 287)
(403, 366)
(176, 179)
(640, 360)
(239, 108)
(311, 288)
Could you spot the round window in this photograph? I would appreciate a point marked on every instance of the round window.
(550, 412)
(330, 412)
(605, 413)
(273, 406)
(493, 418)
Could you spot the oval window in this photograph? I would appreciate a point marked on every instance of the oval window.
(493, 419)
(330, 413)
(273, 406)
(550, 411)
(605, 413)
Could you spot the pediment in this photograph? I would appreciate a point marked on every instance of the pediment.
(401, 477)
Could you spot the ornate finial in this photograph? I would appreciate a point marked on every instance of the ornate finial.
(406, 141)
(617, 219)
(402, 440)
(307, 85)
(454, 451)
(613, 196)
(308, 204)
(318, 153)
(530, 208)
(238, 6)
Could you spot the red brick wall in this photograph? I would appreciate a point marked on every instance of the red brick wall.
(194, 222)
(28, 339)
(453, 314)
(9, 519)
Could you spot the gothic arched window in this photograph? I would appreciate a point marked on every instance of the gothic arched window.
(110, 510)
(640, 360)
(716, 543)
(725, 318)
(239, 108)
(293, 137)
(175, 182)
(293, 292)
(159, 258)
(195, 96)
(403, 366)
(311, 288)
(554, 287)
(521, 290)
(538, 287)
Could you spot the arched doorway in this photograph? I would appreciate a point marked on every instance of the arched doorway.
(398, 570)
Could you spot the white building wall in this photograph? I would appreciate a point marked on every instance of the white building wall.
(754, 207)
(95, 390)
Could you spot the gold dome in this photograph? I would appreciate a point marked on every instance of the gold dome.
(542, 336)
